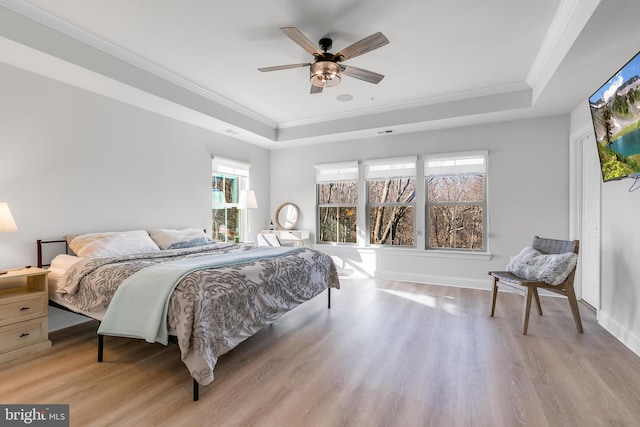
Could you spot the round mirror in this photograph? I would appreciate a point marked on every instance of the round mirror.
(287, 216)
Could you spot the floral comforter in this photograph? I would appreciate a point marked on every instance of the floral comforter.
(212, 310)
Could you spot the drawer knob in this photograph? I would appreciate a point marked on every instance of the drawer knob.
(24, 334)
(24, 308)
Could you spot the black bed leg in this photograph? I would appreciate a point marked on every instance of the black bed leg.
(328, 297)
(196, 391)
(100, 347)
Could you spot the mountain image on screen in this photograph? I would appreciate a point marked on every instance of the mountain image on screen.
(615, 113)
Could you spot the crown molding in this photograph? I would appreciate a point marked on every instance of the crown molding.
(43, 17)
(568, 22)
(438, 99)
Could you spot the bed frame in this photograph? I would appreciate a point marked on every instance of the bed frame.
(41, 264)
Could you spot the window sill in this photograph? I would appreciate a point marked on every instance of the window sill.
(435, 253)
(421, 253)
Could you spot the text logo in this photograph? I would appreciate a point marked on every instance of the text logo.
(34, 415)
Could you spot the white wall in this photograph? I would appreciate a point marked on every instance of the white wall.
(528, 194)
(620, 250)
(73, 161)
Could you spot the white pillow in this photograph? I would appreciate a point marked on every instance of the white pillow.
(63, 262)
(112, 244)
(175, 239)
(59, 265)
(531, 264)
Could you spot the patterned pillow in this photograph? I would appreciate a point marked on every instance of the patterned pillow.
(531, 264)
(176, 239)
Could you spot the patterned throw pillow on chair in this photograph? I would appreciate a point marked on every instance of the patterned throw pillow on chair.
(531, 264)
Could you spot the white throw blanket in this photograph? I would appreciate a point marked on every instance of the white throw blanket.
(139, 306)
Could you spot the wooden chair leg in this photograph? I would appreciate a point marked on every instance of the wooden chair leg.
(535, 294)
(494, 295)
(573, 303)
(527, 310)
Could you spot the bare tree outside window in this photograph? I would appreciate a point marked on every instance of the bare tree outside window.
(456, 205)
(337, 211)
(454, 199)
(225, 217)
(392, 211)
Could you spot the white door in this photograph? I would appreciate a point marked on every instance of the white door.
(590, 213)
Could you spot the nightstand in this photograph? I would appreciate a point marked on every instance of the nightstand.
(23, 312)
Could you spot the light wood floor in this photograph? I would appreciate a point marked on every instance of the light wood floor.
(385, 354)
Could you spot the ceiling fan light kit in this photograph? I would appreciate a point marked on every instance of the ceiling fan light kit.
(327, 71)
(325, 74)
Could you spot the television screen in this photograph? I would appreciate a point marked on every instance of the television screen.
(615, 113)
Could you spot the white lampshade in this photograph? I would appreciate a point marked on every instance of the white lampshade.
(247, 200)
(6, 219)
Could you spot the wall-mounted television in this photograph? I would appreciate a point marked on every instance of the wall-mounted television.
(615, 113)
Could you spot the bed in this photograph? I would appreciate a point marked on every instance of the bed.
(163, 283)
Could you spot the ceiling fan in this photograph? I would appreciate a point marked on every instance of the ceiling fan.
(327, 69)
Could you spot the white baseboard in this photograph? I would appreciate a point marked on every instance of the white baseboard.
(624, 335)
(459, 282)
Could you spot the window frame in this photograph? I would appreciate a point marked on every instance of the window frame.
(327, 173)
(460, 167)
(390, 168)
(233, 169)
(421, 173)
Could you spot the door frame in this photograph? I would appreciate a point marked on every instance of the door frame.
(575, 195)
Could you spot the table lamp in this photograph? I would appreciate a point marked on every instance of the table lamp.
(247, 200)
(6, 222)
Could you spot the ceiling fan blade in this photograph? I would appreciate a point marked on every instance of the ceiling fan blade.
(294, 34)
(283, 67)
(359, 73)
(315, 89)
(365, 45)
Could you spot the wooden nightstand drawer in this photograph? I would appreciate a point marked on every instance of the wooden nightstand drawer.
(23, 312)
(29, 307)
(23, 334)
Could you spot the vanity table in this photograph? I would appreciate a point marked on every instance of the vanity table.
(286, 219)
(289, 237)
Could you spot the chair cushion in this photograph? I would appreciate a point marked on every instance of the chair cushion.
(531, 264)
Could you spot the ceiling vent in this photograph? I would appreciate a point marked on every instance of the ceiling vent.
(386, 131)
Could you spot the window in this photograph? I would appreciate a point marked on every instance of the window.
(337, 196)
(387, 202)
(391, 192)
(228, 178)
(456, 200)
